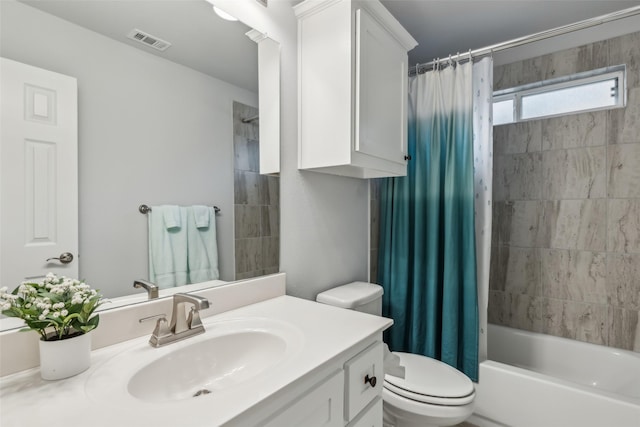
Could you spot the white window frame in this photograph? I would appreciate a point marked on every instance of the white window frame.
(617, 73)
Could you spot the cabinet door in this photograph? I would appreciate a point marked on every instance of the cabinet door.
(381, 91)
(321, 406)
(370, 417)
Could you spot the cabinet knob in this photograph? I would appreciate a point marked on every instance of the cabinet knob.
(407, 157)
(370, 380)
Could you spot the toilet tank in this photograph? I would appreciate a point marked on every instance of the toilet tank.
(359, 296)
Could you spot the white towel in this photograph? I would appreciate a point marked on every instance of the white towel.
(202, 246)
(202, 216)
(172, 217)
(167, 246)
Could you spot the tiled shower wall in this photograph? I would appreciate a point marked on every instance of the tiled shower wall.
(256, 204)
(566, 218)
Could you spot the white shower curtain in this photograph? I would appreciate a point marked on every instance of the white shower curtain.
(483, 183)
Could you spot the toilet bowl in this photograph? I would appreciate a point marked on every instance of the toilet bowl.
(431, 393)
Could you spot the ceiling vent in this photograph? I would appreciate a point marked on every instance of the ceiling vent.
(148, 40)
(262, 2)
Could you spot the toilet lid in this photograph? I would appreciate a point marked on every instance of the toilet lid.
(427, 378)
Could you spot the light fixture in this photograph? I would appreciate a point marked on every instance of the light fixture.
(224, 15)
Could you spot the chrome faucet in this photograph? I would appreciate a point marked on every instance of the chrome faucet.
(181, 326)
(152, 289)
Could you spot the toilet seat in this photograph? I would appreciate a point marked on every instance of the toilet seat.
(430, 381)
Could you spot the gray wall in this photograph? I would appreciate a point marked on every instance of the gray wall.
(566, 242)
(257, 201)
(133, 147)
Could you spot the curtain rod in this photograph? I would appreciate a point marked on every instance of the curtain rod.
(558, 31)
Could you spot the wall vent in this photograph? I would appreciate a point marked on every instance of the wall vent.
(148, 40)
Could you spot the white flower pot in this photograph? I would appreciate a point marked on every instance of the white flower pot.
(65, 358)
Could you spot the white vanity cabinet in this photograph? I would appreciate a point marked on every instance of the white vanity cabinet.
(344, 392)
(352, 88)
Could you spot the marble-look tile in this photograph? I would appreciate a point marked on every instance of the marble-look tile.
(495, 305)
(623, 280)
(578, 173)
(247, 221)
(515, 270)
(495, 309)
(624, 123)
(246, 154)
(624, 329)
(373, 266)
(250, 274)
(271, 270)
(623, 225)
(376, 187)
(517, 176)
(575, 320)
(516, 311)
(269, 190)
(574, 60)
(374, 232)
(518, 223)
(574, 131)
(498, 267)
(270, 252)
(248, 255)
(574, 275)
(624, 170)
(517, 138)
(248, 130)
(574, 224)
(270, 221)
(626, 50)
(247, 188)
(517, 73)
(505, 76)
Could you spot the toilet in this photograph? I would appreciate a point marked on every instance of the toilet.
(431, 393)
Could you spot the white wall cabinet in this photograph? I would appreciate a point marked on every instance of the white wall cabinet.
(268, 101)
(352, 116)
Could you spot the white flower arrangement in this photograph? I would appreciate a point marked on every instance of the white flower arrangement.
(57, 307)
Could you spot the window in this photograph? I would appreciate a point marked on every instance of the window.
(589, 91)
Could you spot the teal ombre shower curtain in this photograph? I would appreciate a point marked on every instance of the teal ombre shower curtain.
(427, 254)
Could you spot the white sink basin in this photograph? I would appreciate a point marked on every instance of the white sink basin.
(205, 367)
(229, 355)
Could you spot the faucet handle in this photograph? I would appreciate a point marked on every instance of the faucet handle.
(161, 331)
(193, 321)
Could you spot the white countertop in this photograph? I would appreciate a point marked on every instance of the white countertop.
(27, 400)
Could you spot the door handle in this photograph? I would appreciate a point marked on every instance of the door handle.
(65, 258)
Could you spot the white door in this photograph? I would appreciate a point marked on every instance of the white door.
(39, 173)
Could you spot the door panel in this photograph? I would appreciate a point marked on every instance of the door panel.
(39, 178)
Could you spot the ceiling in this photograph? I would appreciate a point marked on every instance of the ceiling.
(220, 48)
(200, 39)
(444, 27)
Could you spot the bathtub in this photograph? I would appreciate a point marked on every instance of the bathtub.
(535, 380)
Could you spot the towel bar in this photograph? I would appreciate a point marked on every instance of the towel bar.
(144, 209)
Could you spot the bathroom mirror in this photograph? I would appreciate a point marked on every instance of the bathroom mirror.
(154, 127)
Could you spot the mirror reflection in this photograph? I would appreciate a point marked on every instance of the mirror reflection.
(173, 127)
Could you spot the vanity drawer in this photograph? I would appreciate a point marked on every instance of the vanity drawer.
(364, 375)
